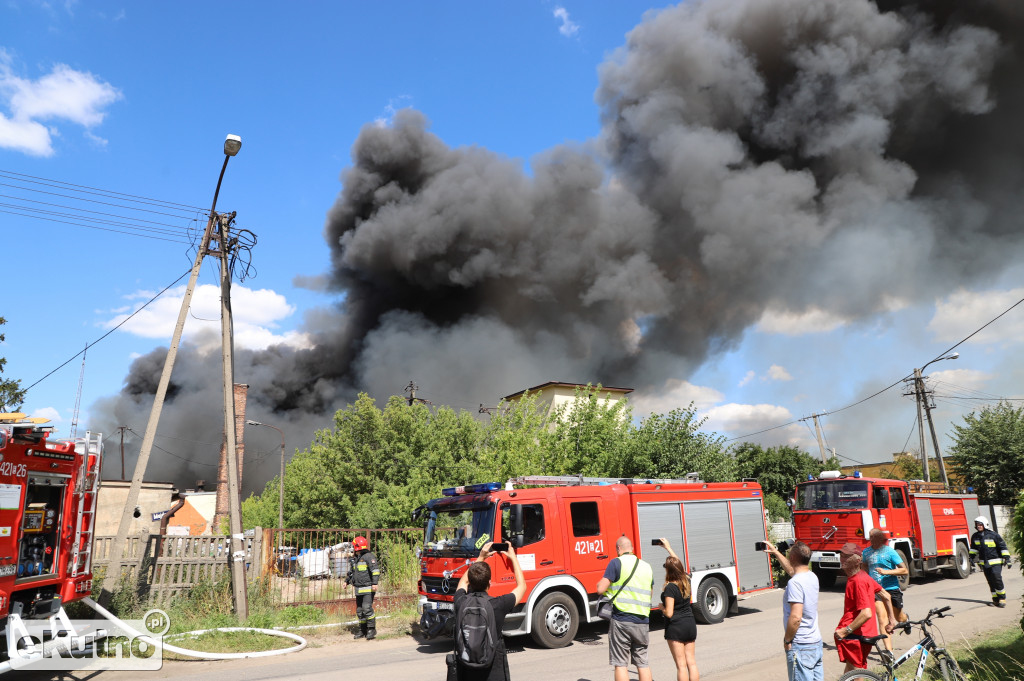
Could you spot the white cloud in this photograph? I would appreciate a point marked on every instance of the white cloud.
(964, 311)
(48, 413)
(63, 94)
(256, 314)
(745, 418)
(391, 108)
(747, 378)
(568, 28)
(951, 379)
(813, 320)
(673, 395)
(778, 373)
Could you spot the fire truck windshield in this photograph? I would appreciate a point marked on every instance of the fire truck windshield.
(460, 528)
(832, 494)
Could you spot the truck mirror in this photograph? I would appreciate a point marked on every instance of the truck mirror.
(515, 522)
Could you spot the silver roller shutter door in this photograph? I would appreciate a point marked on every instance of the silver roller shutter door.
(924, 514)
(656, 521)
(748, 520)
(708, 535)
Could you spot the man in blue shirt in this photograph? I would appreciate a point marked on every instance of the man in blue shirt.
(885, 566)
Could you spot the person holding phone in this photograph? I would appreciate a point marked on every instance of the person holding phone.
(477, 579)
(680, 627)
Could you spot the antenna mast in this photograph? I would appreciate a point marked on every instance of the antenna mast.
(78, 397)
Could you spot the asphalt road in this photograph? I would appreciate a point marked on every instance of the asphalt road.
(746, 647)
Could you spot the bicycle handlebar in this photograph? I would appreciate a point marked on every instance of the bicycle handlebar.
(934, 612)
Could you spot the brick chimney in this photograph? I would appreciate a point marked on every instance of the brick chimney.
(241, 391)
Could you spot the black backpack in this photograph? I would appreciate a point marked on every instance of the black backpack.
(475, 642)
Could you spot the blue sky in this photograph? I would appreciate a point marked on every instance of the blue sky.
(137, 98)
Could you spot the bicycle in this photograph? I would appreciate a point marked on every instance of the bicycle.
(948, 666)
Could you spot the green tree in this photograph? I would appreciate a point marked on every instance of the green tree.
(11, 393)
(588, 435)
(988, 453)
(671, 446)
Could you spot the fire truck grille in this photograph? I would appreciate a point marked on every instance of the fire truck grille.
(436, 585)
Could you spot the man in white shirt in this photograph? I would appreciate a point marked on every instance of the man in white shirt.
(802, 638)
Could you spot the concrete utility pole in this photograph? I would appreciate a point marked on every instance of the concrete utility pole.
(231, 147)
(922, 401)
(238, 578)
(122, 429)
(411, 389)
(817, 432)
(918, 394)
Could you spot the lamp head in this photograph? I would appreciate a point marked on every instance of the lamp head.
(954, 355)
(254, 423)
(232, 144)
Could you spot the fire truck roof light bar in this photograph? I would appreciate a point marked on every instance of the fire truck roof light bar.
(571, 480)
(481, 488)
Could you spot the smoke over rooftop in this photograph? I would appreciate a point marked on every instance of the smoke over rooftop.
(786, 156)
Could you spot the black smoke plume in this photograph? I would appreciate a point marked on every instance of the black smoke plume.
(783, 156)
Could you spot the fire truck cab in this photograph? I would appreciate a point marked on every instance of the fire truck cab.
(48, 493)
(930, 529)
(564, 531)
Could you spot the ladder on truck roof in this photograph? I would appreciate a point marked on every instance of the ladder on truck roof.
(579, 480)
(88, 486)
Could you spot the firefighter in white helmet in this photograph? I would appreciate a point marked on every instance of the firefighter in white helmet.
(364, 574)
(989, 549)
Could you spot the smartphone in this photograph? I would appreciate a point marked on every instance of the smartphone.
(760, 545)
(503, 546)
(655, 542)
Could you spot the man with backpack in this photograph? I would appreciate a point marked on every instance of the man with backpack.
(479, 618)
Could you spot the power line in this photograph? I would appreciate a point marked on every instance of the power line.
(105, 229)
(198, 463)
(123, 322)
(48, 182)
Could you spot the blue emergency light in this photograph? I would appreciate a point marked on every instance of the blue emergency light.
(481, 488)
(856, 474)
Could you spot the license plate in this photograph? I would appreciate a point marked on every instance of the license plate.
(8, 570)
(438, 605)
(829, 559)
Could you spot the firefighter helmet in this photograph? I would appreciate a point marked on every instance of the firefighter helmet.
(359, 543)
(983, 520)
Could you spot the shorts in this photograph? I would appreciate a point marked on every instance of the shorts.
(897, 598)
(854, 652)
(627, 641)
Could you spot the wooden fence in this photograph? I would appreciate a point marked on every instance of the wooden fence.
(164, 567)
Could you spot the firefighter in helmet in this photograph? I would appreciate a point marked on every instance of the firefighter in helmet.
(363, 574)
(989, 549)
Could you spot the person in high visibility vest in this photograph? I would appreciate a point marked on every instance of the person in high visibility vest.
(364, 574)
(989, 549)
(629, 583)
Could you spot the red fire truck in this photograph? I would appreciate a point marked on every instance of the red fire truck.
(564, 531)
(928, 528)
(48, 493)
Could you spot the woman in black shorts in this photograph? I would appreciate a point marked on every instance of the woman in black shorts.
(680, 627)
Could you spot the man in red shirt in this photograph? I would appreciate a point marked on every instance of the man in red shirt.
(859, 610)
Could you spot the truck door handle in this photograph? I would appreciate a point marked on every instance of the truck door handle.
(546, 562)
(602, 557)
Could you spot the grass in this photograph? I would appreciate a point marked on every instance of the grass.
(997, 657)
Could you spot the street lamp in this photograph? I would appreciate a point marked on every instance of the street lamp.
(280, 499)
(919, 391)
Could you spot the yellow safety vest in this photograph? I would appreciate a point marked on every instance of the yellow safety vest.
(635, 597)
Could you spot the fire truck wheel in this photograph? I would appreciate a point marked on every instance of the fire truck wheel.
(904, 580)
(712, 601)
(962, 559)
(555, 621)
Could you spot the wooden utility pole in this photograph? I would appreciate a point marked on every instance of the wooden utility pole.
(122, 429)
(237, 543)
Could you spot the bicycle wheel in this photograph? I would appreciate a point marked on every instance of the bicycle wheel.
(950, 669)
(861, 675)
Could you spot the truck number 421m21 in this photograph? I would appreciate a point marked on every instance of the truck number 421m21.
(585, 547)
